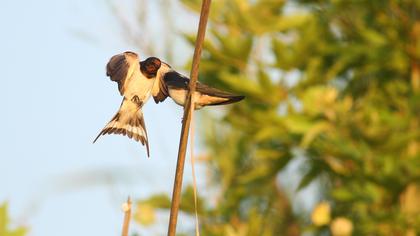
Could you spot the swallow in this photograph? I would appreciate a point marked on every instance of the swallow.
(135, 83)
(170, 83)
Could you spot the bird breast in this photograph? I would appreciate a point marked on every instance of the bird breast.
(142, 87)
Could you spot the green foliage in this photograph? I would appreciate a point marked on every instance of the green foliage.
(334, 82)
(5, 224)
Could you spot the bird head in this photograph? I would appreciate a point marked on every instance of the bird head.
(150, 66)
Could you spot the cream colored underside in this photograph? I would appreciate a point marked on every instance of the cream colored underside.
(138, 85)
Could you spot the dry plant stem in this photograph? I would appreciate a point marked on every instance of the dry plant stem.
(197, 223)
(127, 217)
(176, 195)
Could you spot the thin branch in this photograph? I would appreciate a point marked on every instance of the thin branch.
(205, 8)
(127, 217)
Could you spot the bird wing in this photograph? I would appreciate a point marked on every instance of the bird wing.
(204, 94)
(160, 90)
(168, 79)
(120, 67)
(175, 80)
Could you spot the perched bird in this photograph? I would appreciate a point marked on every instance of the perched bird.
(173, 84)
(135, 82)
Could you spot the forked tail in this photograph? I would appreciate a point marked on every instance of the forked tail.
(128, 121)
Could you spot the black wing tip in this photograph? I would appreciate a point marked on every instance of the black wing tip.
(231, 99)
(238, 98)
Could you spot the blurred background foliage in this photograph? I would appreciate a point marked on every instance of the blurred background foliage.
(6, 228)
(336, 83)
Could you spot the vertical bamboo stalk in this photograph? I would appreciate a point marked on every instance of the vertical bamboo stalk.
(176, 195)
(127, 217)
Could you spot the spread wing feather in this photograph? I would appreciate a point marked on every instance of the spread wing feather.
(120, 67)
(160, 90)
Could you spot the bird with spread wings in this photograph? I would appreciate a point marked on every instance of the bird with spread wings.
(138, 81)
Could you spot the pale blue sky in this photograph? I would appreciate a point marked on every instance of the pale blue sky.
(55, 98)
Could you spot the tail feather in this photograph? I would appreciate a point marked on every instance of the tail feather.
(230, 99)
(214, 100)
(128, 122)
(213, 96)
